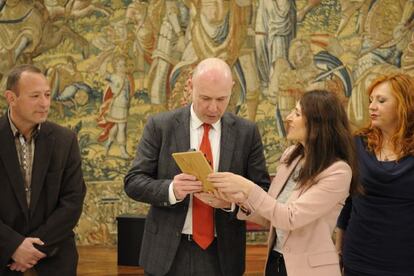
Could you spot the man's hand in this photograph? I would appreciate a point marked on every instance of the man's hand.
(184, 184)
(213, 200)
(17, 267)
(26, 255)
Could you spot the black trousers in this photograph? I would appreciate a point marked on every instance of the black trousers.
(192, 260)
(275, 265)
(351, 272)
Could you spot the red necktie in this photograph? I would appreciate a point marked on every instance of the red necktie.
(203, 226)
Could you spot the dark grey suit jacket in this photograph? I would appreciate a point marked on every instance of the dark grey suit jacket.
(241, 152)
(58, 191)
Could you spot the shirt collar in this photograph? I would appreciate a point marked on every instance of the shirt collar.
(196, 122)
(16, 132)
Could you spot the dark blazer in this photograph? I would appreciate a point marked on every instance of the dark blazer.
(58, 190)
(241, 152)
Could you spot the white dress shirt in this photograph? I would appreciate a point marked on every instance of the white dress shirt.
(196, 135)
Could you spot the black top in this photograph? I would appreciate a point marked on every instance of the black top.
(379, 237)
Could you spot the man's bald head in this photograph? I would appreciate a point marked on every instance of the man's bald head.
(211, 86)
(213, 68)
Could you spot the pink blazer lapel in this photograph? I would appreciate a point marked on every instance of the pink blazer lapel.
(282, 175)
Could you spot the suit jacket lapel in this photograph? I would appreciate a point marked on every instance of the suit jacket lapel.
(10, 160)
(182, 129)
(43, 152)
(227, 142)
(182, 135)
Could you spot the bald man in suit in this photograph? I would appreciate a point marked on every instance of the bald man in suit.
(169, 246)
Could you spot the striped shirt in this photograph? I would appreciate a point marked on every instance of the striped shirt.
(25, 152)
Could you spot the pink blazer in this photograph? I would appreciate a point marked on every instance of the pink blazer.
(309, 216)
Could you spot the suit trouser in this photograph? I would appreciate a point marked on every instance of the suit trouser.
(192, 260)
(275, 265)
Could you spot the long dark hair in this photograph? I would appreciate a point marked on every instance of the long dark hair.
(328, 138)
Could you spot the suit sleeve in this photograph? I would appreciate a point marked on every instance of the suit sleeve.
(141, 183)
(256, 170)
(332, 187)
(255, 217)
(60, 223)
(9, 241)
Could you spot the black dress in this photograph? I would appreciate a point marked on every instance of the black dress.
(379, 225)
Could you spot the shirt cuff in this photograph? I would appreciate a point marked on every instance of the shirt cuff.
(171, 196)
(231, 209)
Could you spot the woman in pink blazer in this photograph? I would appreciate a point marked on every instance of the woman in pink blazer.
(312, 182)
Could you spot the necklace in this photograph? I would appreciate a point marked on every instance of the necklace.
(389, 156)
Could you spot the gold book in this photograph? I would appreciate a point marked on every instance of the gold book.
(195, 163)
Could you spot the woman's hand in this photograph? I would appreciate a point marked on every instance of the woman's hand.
(235, 197)
(230, 186)
(213, 200)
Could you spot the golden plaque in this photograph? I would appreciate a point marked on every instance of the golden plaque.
(195, 163)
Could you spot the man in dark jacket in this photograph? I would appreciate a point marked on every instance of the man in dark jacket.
(170, 244)
(41, 182)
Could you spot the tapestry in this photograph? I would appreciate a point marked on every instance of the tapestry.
(113, 63)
